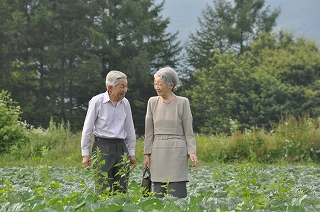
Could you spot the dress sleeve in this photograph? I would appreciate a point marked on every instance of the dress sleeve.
(188, 128)
(149, 129)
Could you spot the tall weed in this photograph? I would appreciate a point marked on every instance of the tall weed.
(56, 139)
(291, 140)
(298, 139)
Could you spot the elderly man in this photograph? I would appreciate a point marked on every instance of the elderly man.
(109, 119)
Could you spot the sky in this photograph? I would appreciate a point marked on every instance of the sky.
(301, 17)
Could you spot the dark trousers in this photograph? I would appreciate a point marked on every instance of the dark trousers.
(177, 189)
(107, 175)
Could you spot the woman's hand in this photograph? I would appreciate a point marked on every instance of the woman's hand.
(194, 159)
(146, 162)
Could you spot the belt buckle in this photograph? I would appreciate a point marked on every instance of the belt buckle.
(164, 137)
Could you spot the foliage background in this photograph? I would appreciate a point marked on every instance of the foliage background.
(254, 98)
(55, 54)
(248, 79)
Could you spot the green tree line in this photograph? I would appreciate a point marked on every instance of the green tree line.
(55, 54)
(278, 77)
(240, 71)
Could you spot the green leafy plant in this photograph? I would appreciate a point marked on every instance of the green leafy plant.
(6, 191)
(12, 131)
(100, 178)
(239, 187)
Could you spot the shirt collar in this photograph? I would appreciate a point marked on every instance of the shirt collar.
(106, 98)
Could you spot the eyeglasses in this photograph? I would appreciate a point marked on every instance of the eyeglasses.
(160, 84)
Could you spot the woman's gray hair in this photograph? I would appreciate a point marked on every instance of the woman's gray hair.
(169, 76)
(113, 77)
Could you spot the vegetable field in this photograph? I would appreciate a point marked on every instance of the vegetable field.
(243, 187)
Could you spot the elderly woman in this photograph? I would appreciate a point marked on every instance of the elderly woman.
(169, 138)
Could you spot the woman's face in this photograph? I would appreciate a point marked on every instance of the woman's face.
(161, 87)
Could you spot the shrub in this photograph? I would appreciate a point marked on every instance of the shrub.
(12, 131)
(42, 140)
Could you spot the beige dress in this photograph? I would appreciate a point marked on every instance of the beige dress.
(169, 139)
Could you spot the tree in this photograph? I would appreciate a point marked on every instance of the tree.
(55, 54)
(295, 62)
(213, 34)
(69, 48)
(277, 77)
(131, 36)
(47, 40)
(228, 25)
(250, 19)
(5, 46)
(220, 93)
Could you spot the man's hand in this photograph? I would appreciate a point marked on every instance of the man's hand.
(133, 161)
(86, 161)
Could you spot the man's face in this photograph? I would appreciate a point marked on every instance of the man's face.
(119, 91)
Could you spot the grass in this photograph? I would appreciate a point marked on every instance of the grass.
(291, 141)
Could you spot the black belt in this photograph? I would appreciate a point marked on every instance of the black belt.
(107, 139)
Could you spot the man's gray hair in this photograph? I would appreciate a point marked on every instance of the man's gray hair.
(113, 77)
(169, 76)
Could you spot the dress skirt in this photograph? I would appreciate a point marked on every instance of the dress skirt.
(169, 159)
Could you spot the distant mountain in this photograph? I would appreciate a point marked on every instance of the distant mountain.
(301, 17)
